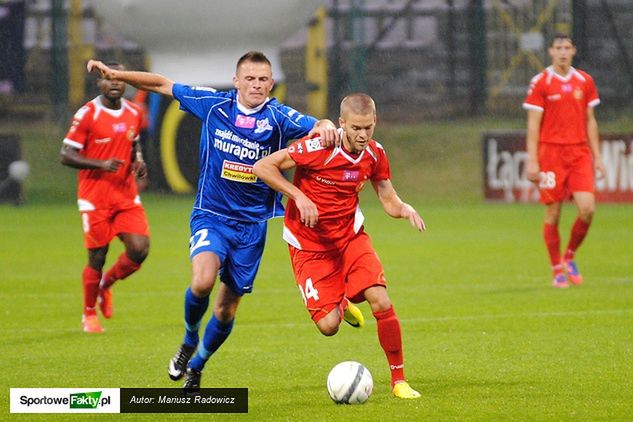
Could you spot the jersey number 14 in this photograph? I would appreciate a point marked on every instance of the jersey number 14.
(309, 292)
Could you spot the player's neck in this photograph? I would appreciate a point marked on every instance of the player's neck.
(348, 148)
(111, 103)
(561, 70)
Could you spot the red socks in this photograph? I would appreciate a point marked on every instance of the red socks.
(121, 269)
(578, 232)
(90, 278)
(390, 338)
(552, 241)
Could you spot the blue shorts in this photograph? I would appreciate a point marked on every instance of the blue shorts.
(238, 244)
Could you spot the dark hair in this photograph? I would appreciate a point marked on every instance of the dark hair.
(559, 36)
(253, 56)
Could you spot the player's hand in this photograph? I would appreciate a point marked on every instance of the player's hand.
(599, 169)
(532, 171)
(409, 212)
(103, 70)
(327, 131)
(139, 168)
(112, 165)
(307, 210)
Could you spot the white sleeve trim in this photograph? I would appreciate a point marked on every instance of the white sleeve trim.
(73, 144)
(85, 205)
(528, 106)
(594, 102)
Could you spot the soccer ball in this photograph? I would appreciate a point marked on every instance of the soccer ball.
(349, 383)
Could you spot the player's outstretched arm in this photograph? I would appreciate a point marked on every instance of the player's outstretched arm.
(394, 206)
(269, 170)
(141, 80)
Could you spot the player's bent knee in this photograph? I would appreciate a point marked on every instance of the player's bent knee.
(328, 325)
(138, 254)
(328, 330)
(201, 287)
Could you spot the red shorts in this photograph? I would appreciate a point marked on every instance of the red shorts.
(325, 277)
(565, 169)
(101, 225)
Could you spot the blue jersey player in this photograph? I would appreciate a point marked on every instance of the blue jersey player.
(228, 221)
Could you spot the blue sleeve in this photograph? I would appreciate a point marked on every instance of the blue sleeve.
(294, 125)
(196, 100)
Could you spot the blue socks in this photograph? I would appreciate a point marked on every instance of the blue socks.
(195, 307)
(214, 335)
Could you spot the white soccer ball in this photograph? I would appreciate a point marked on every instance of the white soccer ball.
(19, 170)
(349, 383)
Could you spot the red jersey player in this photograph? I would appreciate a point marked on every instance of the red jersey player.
(332, 256)
(563, 151)
(102, 143)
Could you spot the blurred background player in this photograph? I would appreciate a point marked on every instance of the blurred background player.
(332, 256)
(563, 151)
(228, 221)
(102, 143)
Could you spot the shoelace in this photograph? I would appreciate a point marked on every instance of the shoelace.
(182, 357)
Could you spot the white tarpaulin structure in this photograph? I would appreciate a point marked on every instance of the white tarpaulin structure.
(199, 41)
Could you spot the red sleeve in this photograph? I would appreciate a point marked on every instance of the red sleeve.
(77, 135)
(382, 171)
(535, 98)
(592, 92)
(308, 152)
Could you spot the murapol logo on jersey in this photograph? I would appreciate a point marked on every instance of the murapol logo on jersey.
(263, 125)
(246, 122)
(313, 145)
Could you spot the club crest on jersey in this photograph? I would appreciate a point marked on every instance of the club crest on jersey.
(578, 94)
(246, 122)
(350, 175)
(263, 125)
(313, 145)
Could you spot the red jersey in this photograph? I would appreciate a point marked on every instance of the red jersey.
(564, 101)
(102, 133)
(332, 179)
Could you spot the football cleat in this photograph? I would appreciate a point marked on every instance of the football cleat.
(572, 272)
(91, 324)
(192, 380)
(105, 302)
(560, 281)
(404, 391)
(353, 316)
(178, 364)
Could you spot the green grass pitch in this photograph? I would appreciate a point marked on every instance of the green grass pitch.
(485, 335)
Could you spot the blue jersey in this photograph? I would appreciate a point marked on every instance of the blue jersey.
(232, 139)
